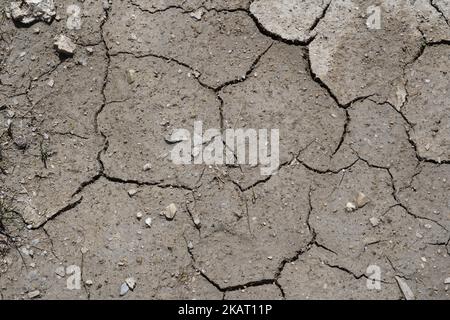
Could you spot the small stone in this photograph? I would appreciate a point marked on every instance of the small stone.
(34, 294)
(148, 222)
(30, 11)
(74, 17)
(132, 192)
(419, 235)
(361, 200)
(60, 271)
(139, 215)
(350, 207)
(374, 221)
(133, 37)
(124, 289)
(197, 14)
(90, 50)
(131, 283)
(147, 167)
(51, 83)
(190, 245)
(406, 290)
(84, 250)
(196, 219)
(131, 76)
(27, 251)
(447, 281)
(89, 282)
(401, 95)
(170, 211)
(64, 45)
(21, 142)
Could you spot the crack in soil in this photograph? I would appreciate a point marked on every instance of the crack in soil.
(436, 7)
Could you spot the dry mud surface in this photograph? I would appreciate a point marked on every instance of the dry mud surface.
(361, 110)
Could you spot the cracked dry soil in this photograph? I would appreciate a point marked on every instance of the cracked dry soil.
(359, 110)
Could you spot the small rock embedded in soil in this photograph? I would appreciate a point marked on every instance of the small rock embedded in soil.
(132, 192)
(406, 290)
(147, 167)
(196, 219)
(447, 281)
(131, 283)
(124, 289)
(131, 76)
(65, 46)
(148, 222)
(401, 97)
(139, 215)
(197, 14)
(74, 17)
(374, 221)
(28, 252)
(34, 294)
(350, 207)
(21, 142)
(170, 211)
(361, 200)
(30, 11)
